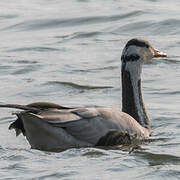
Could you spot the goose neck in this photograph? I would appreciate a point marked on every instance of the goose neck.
(132, 101)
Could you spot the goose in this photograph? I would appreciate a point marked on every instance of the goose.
(49, 126)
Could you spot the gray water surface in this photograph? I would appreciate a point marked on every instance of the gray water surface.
(69, 52)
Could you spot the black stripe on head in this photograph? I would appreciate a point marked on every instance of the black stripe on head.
(132, 57)
(138, 42)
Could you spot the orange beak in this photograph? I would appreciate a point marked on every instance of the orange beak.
(158, 53)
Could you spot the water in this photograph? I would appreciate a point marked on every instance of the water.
(68, 52)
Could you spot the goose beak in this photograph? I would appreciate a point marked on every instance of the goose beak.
(158, 53)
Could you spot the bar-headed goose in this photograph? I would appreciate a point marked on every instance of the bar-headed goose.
(49, 126)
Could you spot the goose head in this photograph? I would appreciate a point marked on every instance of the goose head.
(140, 49)
(136, 52)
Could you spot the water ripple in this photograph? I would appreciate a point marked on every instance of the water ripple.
(150, 27)
(159, 159)
(77, 86)
(26, 69)
(8, 16)
(79, 35)
(38, 49)
(39, 24)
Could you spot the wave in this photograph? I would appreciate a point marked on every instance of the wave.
(39, 49)
(77, 86)
(78, 21)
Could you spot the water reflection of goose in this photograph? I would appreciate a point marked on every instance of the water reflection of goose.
(48, 126)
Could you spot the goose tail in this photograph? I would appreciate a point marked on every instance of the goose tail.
(22, 107)
(17, 125)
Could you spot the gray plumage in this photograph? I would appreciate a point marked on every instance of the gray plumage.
(49, 126)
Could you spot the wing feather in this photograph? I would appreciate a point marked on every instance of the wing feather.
(90, 124)
(85, 124)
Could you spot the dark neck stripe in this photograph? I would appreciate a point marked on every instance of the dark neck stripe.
(146, 119)
(128, 100)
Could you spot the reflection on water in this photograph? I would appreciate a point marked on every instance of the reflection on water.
(68, 52)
